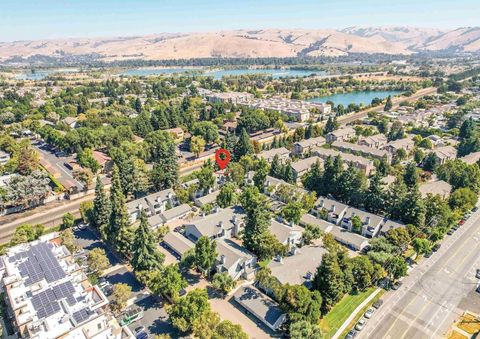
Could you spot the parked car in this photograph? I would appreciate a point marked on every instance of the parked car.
(82, 226)
(478, 289)
(369, 313)
(360, 325)
(351, 334)
(139, 329)
(477, 275)
(107, 290)
(142, 335)
(436, 247)
(377, 303)
(397, 285)
(475, 209)
(450, 231)
(461, 222)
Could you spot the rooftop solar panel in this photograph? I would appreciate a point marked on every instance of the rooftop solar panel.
(81, 316)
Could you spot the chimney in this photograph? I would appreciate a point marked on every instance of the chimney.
(220, 224)
(367, 220)
(234, 219)
(333, 208)
(294, 250)
(223, 259)
(322, 203)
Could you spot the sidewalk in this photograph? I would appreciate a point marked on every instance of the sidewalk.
(354, 313)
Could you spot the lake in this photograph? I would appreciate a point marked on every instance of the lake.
(219, 73)
(275, 73)
(361, 97)
(42, 74)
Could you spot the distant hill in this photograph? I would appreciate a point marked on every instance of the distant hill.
(254, 43)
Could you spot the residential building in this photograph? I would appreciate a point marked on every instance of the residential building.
(437, 187)
(175, 213)
(299, 268)
(177, 133)
(445, 153)
(282, 153)
(153, 204)
(362, 150)
(177, 243)
(375, 141)
(343, 134)
(471, 158)
(333, 209)
(389, 225)
(261, 306)
(297, 109)
(4, 157)
(353, 241)
(305, 146)
(224, 223)
(370, 222)
(359, 162)
(235, 260)
(72, 122)
(302, 166)
(210, 198)
(310, 219)
(48, 295)
(289, 235)
(231, 97)
(406, 143)
(105, 162)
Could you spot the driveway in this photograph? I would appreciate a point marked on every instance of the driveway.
(155, 318)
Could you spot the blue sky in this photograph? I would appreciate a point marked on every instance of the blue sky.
(46, 19)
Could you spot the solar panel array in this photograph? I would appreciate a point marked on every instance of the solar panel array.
(81, 316)
(40, 264)
(65, 290)
(45, 303)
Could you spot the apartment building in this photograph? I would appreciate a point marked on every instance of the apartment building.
(305, 146)
(362, 150)
(343, 134)
(359, 162)
(153, 204)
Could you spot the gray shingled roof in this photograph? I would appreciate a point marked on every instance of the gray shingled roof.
(178, 242)
(175, 212)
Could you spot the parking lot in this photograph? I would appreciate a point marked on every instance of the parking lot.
(155, 319)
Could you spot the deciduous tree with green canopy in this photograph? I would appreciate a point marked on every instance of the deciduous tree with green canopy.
(205, 254)
(188, 309)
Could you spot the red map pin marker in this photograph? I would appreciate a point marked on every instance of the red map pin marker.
(222, 158)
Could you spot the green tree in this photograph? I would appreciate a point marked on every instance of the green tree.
(86, 211)
(464, 199)
(329, 281)
(119, 233)
(292, 211)
(167, 281)
(421, 246)
(227, 195)
(101, 210)
(243, 145)
(207, 130)
(206, 178)
(145, 256)
(97, 261)
(388, 104)
(205, 254)
(120, 296)
(227, 329)
(68, 240)
(411, 175)
(312, 232)
(362, 271)
(304, 330)
(26, 233)
(300, 303)
(68, 220)
(162, 151)
(261, 173)
(189, 308)
(223, 282)
(375, 195)
(331, 125)
(197, 145)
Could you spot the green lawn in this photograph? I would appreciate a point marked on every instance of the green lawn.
(341, 311)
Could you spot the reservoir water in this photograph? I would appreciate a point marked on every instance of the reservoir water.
(362, 97)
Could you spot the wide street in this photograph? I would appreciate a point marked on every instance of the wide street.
(435, 292)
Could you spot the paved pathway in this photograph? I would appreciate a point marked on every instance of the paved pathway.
(354, 313)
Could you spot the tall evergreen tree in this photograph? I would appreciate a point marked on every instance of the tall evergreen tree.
(288, 174)
(276, 168)
(101, 210)
(395, 197)
(331, 124)
(162, 151)
(329, 281)
(413, 208)
(146, 256)
(351, 186)
(229, 141)
(333, 170)
(261, 173)
(119, 234)
(388, 104)
(375, 195)
(313, 180)
(411, 175)
(243, 146)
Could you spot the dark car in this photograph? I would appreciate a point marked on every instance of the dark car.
(436, 247)
(450, 231)
(377, 303)
(477, 274)
(397, 285)
(351, 334)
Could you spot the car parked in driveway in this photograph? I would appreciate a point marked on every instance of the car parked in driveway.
(369, 313)
(360, 324)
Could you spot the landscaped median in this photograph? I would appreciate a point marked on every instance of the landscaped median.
(341, 311)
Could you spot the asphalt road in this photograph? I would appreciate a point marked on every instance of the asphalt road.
(436, 291)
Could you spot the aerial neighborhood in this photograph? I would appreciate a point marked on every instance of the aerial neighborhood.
(118, 220)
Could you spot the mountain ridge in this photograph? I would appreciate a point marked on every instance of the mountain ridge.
(399, 40)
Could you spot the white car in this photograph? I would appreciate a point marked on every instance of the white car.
(360, 325)
(369, 313)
